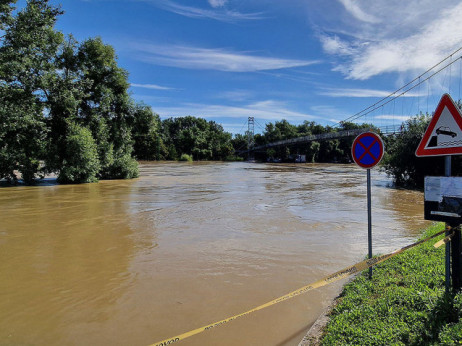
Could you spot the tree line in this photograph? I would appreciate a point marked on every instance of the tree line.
(64, 105)
(65, 108)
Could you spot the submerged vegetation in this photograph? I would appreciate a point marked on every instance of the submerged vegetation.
(404, 303)
(186, 157)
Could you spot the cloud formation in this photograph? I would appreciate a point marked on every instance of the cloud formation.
(352, 92)
(217, 3)
(150, 86)
(188, 57)
(218, 12)
(354, 9)
(410, 36)
(268, 110)
(394, 117)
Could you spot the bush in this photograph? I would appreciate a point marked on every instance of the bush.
(233, 158)
(186, 157)
(81, 163)
(123, 167)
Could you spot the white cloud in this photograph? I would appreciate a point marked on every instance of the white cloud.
(150, 86)
(352, 92)
(236, 95)
(393, 117)
(217, 3)
(354, 9)
(210, 59)
(329, 112)
(334, 45)
(269, 110)
(411, 37)
(218, 13)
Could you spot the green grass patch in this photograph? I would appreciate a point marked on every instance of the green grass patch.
(404, 303)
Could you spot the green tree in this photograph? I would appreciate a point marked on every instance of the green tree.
(27, 57)
(22, 134)
(6, 7)
(280, 130)
(196, 137)
(65, 90)
(219, 141)
(81, 163)
(107, 107)
(400, 161)
(146, 127)
(239, 142)
(89, 88)
(48, 86)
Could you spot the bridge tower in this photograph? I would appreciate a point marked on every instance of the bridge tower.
(251, 137)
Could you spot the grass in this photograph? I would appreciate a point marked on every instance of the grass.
(404, 303)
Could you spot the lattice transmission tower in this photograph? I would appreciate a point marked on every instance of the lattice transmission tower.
(251, 138)
(251, 133)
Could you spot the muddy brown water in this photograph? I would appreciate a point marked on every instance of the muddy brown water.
(135, 262)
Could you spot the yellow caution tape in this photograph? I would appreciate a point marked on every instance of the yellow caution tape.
(358, 267)
(444, 240)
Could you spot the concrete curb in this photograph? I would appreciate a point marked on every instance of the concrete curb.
(315, 333)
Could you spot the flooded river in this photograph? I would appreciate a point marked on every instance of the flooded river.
(135, 262)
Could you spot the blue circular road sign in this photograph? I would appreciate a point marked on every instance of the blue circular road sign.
(367, 149)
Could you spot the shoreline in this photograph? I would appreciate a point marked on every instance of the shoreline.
(316, 332)
(398, 305)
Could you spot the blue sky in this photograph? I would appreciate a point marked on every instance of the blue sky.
(323, 61)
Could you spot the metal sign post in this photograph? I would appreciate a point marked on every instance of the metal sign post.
(367, 151)
(447, 259)
(369, 219)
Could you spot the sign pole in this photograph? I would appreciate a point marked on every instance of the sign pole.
(456, 260)
(453, 249)
(367, 151)
(447, 173)
(369, 218)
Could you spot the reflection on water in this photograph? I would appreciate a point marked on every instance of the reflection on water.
(134, 262)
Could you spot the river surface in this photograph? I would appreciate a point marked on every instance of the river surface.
(185, 245)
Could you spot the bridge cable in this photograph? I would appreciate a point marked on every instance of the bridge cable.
(359, 115)
(460, 75)
(245, 124)
(259, 125)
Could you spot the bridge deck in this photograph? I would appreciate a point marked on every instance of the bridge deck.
(387, 130)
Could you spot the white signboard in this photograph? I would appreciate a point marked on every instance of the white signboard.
(443, 199)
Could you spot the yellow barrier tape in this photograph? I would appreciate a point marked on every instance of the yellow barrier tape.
(341, 274)
(444, 240)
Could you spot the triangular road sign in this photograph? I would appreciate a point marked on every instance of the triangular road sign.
(444, 133)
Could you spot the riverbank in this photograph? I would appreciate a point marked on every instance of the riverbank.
(404, 303)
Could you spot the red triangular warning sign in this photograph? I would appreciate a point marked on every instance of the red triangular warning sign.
(444, 133)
